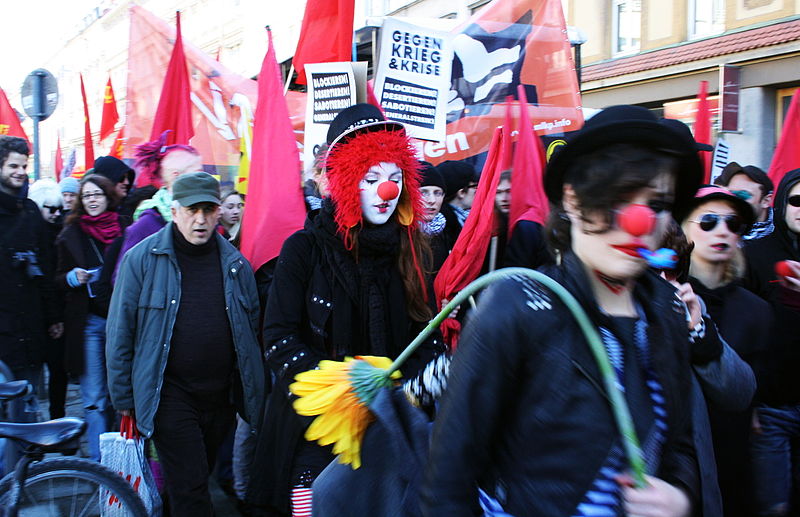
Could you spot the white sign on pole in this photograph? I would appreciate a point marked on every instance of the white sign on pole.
(331, 88)
(412, 81)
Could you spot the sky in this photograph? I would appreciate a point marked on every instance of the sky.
(33, 30)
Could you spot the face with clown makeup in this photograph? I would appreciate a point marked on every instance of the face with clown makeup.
(375, 209)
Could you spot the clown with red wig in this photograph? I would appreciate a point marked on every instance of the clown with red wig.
(350, 283)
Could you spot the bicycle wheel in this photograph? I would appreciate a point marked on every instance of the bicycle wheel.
(73, 487)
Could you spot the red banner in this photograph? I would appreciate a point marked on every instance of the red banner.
(216, 94)
(88, 144)
(507, 44)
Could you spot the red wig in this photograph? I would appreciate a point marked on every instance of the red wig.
(348, 162)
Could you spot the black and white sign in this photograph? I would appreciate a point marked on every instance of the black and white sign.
(413, 77)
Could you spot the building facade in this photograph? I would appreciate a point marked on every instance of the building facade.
(655, 53)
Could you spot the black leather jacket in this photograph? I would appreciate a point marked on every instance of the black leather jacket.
(525, 414)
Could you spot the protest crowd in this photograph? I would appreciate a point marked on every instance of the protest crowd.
(660, 378)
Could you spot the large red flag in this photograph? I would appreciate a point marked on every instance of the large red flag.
(9, 121)
(528, 200)
(787, 154)
(326, 35)
(275, 206)
(110, 115)
(118, 147)
(174, 110)
(88, 145)
(464, 263)
(702, 128)
(58, 164)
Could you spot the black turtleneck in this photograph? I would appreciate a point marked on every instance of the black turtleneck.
(202, 356)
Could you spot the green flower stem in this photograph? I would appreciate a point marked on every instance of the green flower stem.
(619, 406)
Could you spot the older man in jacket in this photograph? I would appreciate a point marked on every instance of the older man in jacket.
(181, 348)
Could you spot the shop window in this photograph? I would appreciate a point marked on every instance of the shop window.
(706, 18)
(626, 26)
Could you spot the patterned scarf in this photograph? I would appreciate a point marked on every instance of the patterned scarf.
(461, 214)
(161, 201)
(761, 229)
(435, 226)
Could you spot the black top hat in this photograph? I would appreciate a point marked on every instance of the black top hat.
(627, 124)
(356, 119)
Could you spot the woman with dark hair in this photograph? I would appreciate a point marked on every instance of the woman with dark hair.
(350, 283)
(525, 416)
(231, 212)
(91, 226)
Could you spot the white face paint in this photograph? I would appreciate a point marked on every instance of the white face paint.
(377, 211)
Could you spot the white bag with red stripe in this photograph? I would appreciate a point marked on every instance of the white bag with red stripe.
(123, 452)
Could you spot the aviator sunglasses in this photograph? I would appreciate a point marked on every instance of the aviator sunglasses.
(708, 222)
(794, 200)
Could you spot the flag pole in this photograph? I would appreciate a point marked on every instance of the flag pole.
(288, 79)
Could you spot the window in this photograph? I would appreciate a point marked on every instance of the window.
(626, 26)
(706, 18)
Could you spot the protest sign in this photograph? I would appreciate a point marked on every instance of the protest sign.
(332, 87)
(413, 77)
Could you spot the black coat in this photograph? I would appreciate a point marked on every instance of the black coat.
(315, 311)
(525, 413)
(75, 250)
(780, 383)
(27, 305)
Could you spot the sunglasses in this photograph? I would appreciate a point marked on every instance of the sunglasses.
(53, 209)
(794, 200)
(708, 222)
(742, 194)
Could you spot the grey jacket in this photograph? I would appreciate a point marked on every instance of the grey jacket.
(143, 309)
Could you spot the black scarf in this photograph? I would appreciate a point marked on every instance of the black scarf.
(371, 279)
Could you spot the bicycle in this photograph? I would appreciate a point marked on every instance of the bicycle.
(58, 486)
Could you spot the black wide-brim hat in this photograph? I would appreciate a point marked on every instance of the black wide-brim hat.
(631, 125)
(356, 119)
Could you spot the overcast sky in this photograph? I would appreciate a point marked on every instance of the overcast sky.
(33, 30)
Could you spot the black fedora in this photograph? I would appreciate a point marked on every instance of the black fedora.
(627, 124)
(356, 119)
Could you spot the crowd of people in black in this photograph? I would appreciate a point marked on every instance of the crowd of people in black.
(129, 282)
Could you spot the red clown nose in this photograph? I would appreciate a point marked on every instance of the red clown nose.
(637, 220)
(388, 190)
(783, 268)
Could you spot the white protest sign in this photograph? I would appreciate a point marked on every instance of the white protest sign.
(331, 88)
(412, 81)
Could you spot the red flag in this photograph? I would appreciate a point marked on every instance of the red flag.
(58, 164)
(118, 146)
(528, 200)
(275, 206)
(787, 154)
(371, 99)
(702, 128)
(88, 145)
(175, 106)
(9, 121)
(110, 115)
(326, 35)
(464, 263)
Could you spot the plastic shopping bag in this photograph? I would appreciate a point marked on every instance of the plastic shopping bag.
(123, 452)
